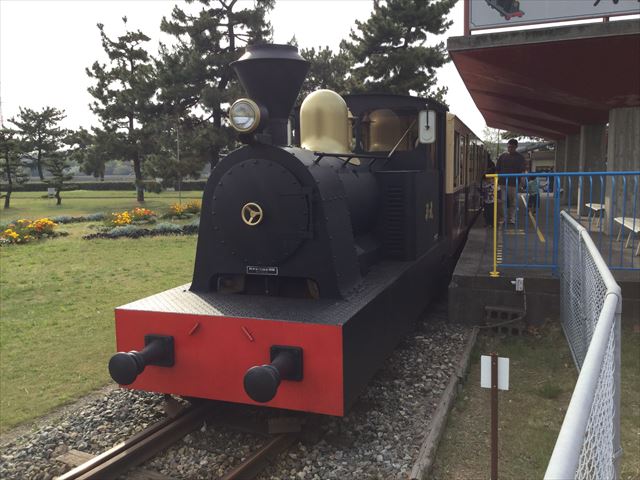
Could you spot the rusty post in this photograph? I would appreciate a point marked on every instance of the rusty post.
(494, 416)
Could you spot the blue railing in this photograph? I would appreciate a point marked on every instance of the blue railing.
(605, 203)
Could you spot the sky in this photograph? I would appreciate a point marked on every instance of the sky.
(46, 45)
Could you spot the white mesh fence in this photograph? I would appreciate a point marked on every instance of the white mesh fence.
(588, 445)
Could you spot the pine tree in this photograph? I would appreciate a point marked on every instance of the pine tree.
(194, 78)
(327, 70)
(58, 165)
(123, 92)
(88, 150)
(390, 49)
(492, 140)
(40, 133)
(174, 158)
(11, 169)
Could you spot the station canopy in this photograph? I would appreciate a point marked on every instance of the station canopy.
(548, 82)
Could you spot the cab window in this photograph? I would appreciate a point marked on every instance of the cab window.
(383, 129)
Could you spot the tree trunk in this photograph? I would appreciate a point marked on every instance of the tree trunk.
(214, 153)
(39, 164)
(7, 198)
(139, 183)
(58, 197)
(135, 159)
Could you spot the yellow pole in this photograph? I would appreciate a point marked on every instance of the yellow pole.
(495, 272)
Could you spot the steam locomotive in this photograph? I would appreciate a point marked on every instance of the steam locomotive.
(321, 240)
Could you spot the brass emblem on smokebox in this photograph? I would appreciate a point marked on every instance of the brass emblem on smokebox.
(252, 214)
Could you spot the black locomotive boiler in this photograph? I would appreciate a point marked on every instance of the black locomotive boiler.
(321, 240)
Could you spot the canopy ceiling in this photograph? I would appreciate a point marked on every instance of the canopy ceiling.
(548, 82)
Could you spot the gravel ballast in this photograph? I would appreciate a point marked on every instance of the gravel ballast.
(94, 427)
(379, 439)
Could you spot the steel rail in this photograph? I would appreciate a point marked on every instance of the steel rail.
(140, 447)
(256, 462)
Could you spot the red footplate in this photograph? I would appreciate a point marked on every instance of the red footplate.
(212, 354)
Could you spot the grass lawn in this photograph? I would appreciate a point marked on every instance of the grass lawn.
(57, 299)
(56, 336)
(542, 378)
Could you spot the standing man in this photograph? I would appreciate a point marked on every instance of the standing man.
(488, 196)
(511, 162)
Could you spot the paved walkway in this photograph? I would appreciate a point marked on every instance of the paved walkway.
(530, 240)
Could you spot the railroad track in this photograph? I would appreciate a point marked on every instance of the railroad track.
(153, 440)
(142, 446)
(255, 463)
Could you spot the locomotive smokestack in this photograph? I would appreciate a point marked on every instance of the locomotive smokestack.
(272, 76)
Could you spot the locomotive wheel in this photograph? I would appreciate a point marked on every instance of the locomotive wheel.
(261, 212)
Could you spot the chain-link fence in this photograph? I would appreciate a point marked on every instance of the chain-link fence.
(588, 446)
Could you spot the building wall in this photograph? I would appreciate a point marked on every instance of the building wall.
(543, 161)
(623, 154)
(593, 155)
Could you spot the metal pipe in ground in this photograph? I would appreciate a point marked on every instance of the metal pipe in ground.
(494, 416)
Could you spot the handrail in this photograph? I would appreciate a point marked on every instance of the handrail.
(563, 174)
(615, 194)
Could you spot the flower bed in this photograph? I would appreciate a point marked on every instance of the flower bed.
(142, 215)
(136, 216)
(64, 219)
(93, 217)
(184, 210)
(117, 219)
(134, 231)
(194, 206)
(25, 231)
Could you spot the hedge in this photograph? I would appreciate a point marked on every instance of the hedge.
(150, 186)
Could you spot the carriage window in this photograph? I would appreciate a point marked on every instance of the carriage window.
(463, 158)
(456, 159)
(473, 161)
(386, 129)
